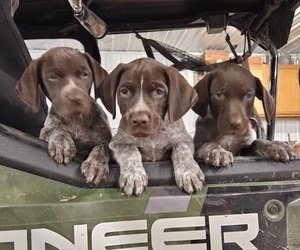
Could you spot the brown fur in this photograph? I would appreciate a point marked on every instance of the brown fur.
(76, 124)
(152, 99)
(225, 105)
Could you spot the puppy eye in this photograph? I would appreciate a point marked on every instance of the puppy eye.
(85, 74)
(249, 96)
(53, 77)
(159, 92)
(219, 95)
(124, 92)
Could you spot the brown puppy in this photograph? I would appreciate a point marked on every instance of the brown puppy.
(225, 105)
(75, 123)
(152, 99)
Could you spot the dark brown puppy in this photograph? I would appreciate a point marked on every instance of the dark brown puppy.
(75, 123)
(225, 105)
(152, 99)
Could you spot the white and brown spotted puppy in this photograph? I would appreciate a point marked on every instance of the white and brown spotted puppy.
(152, 99)
(76, 124)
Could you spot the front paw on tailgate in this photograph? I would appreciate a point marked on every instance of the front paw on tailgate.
(276, 150)
(189, 177)
(63, 150)
(218, 157)
(94, 171)
(133, 181)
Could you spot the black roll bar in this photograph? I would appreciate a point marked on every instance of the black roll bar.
(273, 87)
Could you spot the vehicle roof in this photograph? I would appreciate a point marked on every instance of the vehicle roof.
(54, 18)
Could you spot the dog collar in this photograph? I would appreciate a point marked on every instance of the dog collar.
(250, 125)
(255, 125)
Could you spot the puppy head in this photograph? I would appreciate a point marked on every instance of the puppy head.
(228, 94)
(146, 90)
(65, 75)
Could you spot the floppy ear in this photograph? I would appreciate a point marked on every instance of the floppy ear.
(268, 102)
(27, 86)
(181, 95)
(108, 88)
(203, 90)
(99, 74)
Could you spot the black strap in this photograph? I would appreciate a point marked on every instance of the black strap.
(180, 65)
(147, 48)
(192, 64)
(148, 43)
(210, 67)
(232, 48)
(247, 43)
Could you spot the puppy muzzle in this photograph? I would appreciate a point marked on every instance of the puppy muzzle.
(142, 123)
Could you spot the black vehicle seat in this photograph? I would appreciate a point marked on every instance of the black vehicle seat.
(13, 61)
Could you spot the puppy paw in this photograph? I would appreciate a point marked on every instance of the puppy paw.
(189, 177)
(94, 170)
(217, 157)
(133, 180)
(276, 150)
(63, 149)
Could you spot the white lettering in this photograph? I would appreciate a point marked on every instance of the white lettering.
(166, 234)
(160, 237)
(100, 240)
(18, 237)
(241, 238)
(41, 236)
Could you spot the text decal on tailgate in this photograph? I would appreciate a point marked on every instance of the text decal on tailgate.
(164, 233)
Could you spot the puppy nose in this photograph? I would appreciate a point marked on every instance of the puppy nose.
(75, 96)
(236, 123)
(140, 119)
